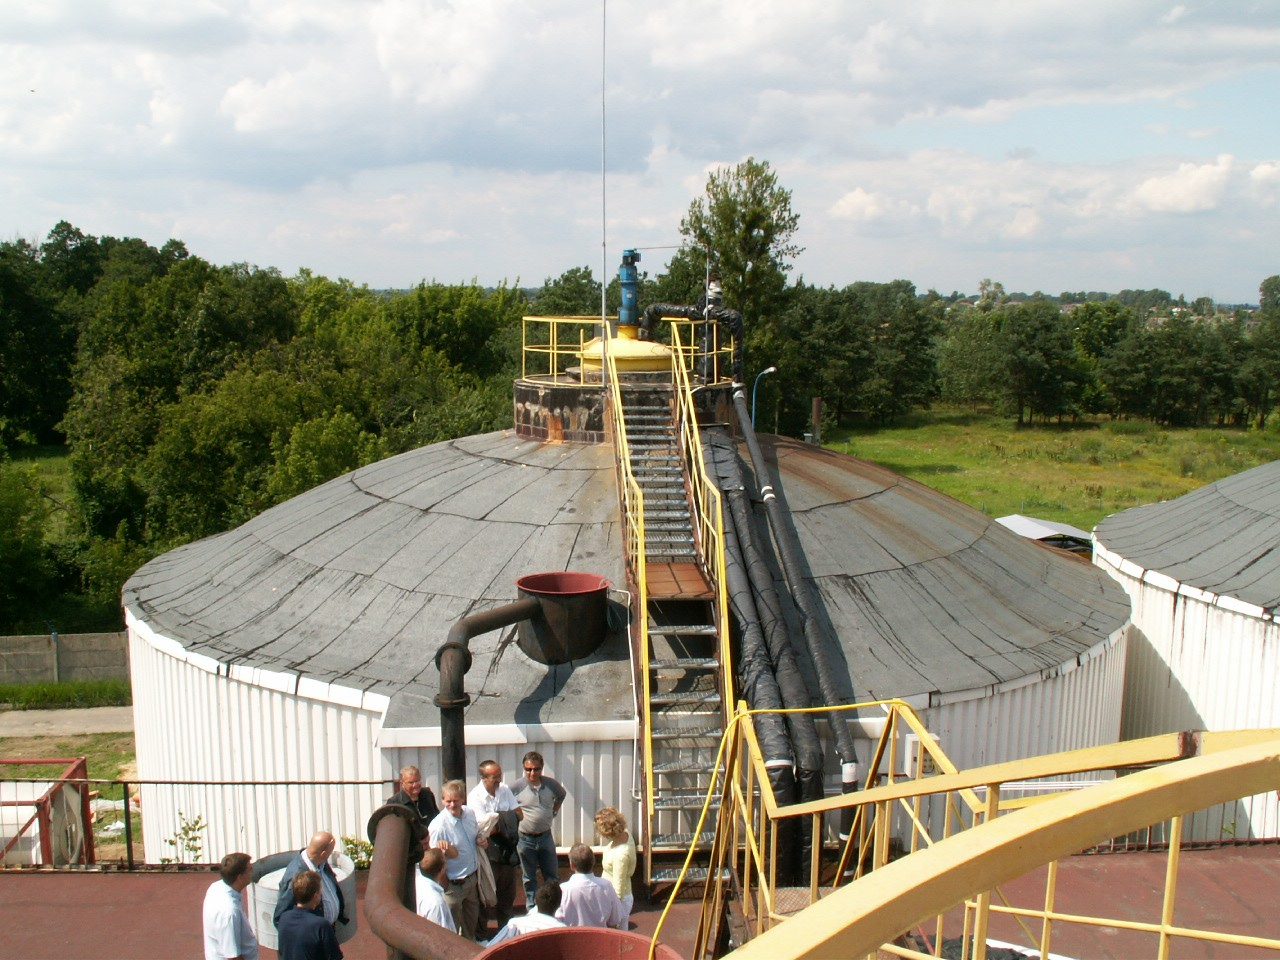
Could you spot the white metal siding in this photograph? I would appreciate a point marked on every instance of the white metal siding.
(191, 724)
(1072, 708)
(1199, 662)
(595, 773)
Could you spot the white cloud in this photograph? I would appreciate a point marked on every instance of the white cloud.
(390, 140)
(1191, 188)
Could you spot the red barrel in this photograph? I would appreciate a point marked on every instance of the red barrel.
(578, 943)
(574, 615)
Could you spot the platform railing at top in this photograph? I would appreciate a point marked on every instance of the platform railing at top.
(697, 345)
(708, 511)
(550, 346)
(892, 821)
(631, 506)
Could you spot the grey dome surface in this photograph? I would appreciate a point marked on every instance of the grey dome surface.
(358, 581)
(1223, 538)
(929, 595)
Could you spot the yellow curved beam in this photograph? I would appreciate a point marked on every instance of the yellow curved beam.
(856, 919)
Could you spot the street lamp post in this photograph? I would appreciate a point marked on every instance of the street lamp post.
(755, 386)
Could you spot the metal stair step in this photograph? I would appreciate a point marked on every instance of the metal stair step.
(671, 874)
(683, 629)
(712, 734)
(685, 663)
(685, 766)
(683, 841)
(686, 698)
(671, 556)
(684, 801)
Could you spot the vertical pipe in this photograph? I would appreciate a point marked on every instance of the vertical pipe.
(407, 935)
(454, 660)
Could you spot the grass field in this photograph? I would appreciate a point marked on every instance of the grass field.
(1074, 473)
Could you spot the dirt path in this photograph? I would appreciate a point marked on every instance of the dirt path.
(53, 723)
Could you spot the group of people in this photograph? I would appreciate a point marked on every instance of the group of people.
(309, 907)
(467, 871)
(476, 843)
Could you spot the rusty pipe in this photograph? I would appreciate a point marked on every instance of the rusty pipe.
(454, 660)
(396, 834)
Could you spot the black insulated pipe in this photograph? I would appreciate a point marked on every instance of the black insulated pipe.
(741, 546)
(723, 316)
(759, 688)
(454, 660)
(817, 643)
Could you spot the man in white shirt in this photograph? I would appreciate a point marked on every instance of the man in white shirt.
(585, 899)
(498, 814)
(429, 892)
(455, 833)
(542, 917)
(227, 935)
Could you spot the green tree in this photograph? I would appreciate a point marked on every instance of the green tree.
(1258, 372)
(26, 567)
(746, 222)
(574, 293)
(37, 343)
(1042, 372)
(1269, 296)
(318, 450)
(971, 357)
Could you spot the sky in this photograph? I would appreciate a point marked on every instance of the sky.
(1076, 145)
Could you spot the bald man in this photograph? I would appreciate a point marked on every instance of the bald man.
(315, 856)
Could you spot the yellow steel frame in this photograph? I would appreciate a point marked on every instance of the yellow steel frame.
(550, 345)
(708, 512)
(934, 874)
(631, 504)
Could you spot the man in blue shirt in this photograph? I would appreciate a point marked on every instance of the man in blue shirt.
(304, 933)
(455, 833)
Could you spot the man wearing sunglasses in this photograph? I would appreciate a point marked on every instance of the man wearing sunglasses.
(540, 799)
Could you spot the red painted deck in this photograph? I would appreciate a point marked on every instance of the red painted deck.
(677, 581)
(139, 916)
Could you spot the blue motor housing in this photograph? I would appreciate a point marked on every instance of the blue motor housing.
(629, 281)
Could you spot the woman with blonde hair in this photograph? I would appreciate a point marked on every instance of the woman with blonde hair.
(619, 857)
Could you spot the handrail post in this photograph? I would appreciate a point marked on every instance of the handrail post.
(128, 824)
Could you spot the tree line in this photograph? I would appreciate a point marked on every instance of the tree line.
(192, 396)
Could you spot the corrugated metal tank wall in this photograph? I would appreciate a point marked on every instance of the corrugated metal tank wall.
(595, 774)
(1199, 661)
(1070, 707)
(260, 734)
(1076, 705)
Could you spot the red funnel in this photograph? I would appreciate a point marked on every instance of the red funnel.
(578, 943)
(573, 620)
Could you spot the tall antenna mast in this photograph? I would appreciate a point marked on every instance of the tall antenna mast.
(604, 218)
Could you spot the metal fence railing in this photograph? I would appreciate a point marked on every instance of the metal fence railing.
(112, 815)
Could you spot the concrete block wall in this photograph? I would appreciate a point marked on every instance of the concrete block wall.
(73, 656)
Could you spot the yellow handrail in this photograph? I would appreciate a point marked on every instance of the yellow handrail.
(559, 354)
(750, 812)
(708, 512)
(631, 504)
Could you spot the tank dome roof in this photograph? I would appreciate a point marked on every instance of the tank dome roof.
(1221, 538)
(927, 594)
(358, 581)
